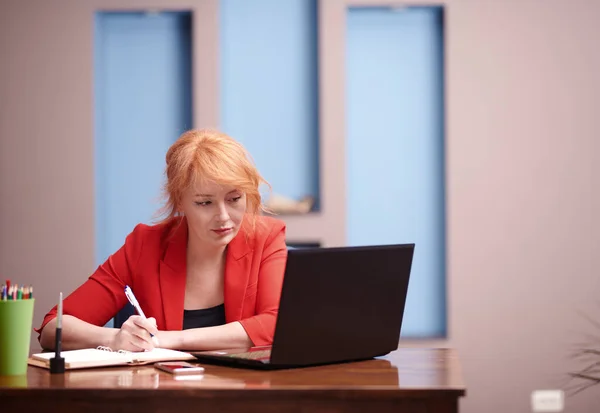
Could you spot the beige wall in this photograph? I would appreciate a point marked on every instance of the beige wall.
(523, 87)
(46, 147)
(522, 150)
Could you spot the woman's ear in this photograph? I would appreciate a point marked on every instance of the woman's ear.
(178, 210)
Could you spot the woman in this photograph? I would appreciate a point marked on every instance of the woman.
(208, 276)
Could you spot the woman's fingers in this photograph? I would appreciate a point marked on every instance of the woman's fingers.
(155, 331)
(148, 324)
(136, 331)
(126, 340)
(133, 343)
(140, 343)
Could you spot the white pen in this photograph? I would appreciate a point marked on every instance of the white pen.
(136, 305)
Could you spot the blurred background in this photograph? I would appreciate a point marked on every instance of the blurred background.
(468, 127)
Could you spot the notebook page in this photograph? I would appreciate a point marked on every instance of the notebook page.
(158, 354)
(88, 354)
(89, 357)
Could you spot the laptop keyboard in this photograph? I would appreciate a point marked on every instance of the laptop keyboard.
(252, 355)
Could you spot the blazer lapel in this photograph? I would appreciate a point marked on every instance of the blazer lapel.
(173, 270)
(237, 272)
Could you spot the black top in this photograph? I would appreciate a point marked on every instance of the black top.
(205, 317)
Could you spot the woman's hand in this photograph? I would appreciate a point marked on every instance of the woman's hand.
(134, 335)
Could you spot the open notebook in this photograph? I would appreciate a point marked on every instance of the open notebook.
(104, 356)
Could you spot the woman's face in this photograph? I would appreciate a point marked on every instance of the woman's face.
(214, 213)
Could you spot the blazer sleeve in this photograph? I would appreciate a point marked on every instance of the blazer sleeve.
(261, 327)
(101, 297)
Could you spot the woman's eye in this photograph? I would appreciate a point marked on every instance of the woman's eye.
(237, 198)
(203, 203)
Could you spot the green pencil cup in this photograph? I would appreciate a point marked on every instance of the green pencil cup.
(16, 318)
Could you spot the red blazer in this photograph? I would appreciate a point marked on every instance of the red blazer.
(153, 263)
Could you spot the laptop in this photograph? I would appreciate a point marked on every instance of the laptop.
(337, 305)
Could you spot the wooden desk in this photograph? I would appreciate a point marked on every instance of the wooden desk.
(407, 380)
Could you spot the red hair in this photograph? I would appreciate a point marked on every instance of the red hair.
(213, 156)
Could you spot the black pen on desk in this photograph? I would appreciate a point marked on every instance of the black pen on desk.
(57, 363)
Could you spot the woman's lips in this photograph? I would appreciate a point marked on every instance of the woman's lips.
(223, 231)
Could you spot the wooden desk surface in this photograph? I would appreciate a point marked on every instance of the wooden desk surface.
(413, 379)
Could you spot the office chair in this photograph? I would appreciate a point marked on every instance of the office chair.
(123, 315)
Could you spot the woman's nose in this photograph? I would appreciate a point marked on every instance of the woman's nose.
(223, 214)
